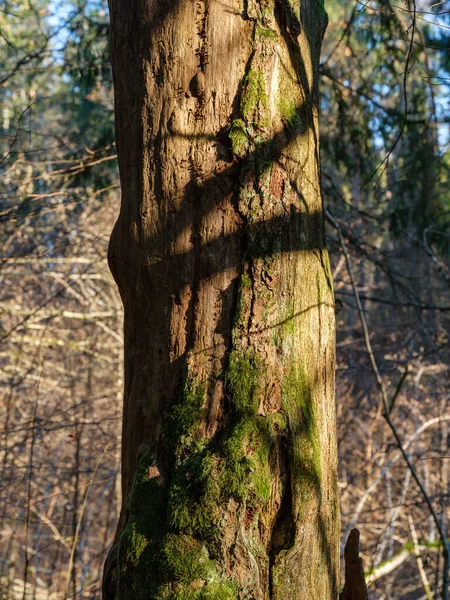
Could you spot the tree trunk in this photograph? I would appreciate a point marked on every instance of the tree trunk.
(229, 450)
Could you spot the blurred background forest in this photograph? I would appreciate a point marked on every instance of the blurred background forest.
(386, 178)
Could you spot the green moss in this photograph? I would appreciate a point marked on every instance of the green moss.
(137, 542)
(194, 496)
(290, 113)
(193, 575)
(253, 100)
(205, 475)
(237, 468)
(208, 591)
(288, 324)
(291, 103)
(246, 450)
(184, 559)
(300, 411)
(181, 593)
(146, 506)
(254, 95)
(220, 591)
(263, 484)
(239, 138)
(266, 33)
(261, 474)
(264, 151)
(186, 413)
(243, 381)
(185, 418)
(245, 131)
(163, 551)
(278, 421)
(246, 282)
(247, 445)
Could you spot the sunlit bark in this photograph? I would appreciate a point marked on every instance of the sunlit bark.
(229, 452)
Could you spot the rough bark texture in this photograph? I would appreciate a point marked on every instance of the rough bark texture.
(229, 451)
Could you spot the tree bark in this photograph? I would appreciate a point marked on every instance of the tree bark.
(355, 585)
(229, 450)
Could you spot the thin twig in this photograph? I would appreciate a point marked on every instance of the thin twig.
(385, 161)
(28, 558)
(81, 516)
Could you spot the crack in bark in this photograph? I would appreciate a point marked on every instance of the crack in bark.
(283, 531)
(196, 241)
(202, 26)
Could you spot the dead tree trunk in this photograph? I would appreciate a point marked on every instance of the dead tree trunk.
(229, 450)
(355, 585)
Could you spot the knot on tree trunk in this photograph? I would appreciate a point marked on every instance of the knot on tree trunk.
(355, 585)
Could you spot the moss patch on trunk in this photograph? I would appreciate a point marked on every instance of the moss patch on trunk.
(166, 548)
(138, 544)
(299, 407)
